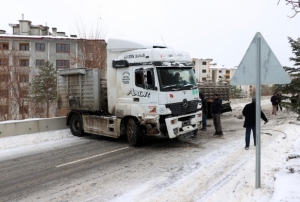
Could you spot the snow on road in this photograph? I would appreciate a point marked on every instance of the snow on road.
(226, 173)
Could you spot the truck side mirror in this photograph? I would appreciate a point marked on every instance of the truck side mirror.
(120, 63)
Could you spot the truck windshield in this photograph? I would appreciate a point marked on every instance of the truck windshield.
(174, 79)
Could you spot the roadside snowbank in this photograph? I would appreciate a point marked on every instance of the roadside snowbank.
(35, 138)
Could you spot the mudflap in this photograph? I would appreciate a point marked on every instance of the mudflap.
(226, 108)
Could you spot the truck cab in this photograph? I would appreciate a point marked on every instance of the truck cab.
(155, 84)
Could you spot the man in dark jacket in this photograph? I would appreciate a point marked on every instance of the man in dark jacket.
(204, 111)
(249, 112)
(275, 101)
(216, 110)
(279, 103)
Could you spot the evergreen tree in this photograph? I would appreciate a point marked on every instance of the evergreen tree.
(43, 86)
(292, 102)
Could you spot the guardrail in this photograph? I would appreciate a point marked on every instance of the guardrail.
(28, 126)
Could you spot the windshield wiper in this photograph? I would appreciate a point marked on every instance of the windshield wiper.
(173, 87)
(169, 86)
(191, 86)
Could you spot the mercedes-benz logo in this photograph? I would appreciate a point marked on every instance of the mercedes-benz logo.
(185, 103)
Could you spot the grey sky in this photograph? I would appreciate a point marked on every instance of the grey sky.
(218, 29)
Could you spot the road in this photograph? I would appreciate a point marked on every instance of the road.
(103, 169)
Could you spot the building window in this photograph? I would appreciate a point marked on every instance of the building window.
(89, 48)
(220, 71)
(63, 48)
(23, 93)
(4, 46)
(220, 77)
(3, 93)
(203, 70)
(3, 109)
(39, 110)
(227, 77)
(4, 77)
(62, 64)
(24, 46)
(89, 63)
(39, 63)
(24, 62)
(24, 109)
(203, 79)
(23, 78)
(203, 63)
(227, 71)
(40, 47)
(3, 62)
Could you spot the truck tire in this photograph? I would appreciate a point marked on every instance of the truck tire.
(133, 132)
(76, 125)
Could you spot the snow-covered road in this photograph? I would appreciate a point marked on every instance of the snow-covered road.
(200, 169)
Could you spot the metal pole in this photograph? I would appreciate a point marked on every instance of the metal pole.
(258, 113)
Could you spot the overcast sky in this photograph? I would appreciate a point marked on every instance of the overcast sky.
(218, 29)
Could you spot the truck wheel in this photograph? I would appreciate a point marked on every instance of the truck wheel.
(76, 125)
(133, 132)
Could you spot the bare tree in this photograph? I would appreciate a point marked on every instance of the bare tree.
(91, 46)
(295, 6)
(14, 75)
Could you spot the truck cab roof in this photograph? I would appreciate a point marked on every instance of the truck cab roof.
(143, 53)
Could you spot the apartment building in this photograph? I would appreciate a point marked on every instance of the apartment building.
(202, 69)
(206, 71)
(28, 48)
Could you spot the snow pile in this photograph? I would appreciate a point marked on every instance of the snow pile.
(287, 179)
(31, 139)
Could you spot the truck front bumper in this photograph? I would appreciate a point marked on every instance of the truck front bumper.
(180, 125)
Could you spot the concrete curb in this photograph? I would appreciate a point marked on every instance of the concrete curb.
(29, 126)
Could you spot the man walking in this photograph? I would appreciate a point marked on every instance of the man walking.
(216, 110)
(249, 112)
(275, 101)
(204, 111)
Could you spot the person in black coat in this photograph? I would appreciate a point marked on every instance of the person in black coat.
(279, 103)
(275, 101)
(249, 112)
(216, 110)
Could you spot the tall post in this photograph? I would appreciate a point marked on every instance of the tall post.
(258, 113)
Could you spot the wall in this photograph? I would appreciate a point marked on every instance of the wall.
(21, 127)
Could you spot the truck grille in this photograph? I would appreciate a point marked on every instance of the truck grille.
(178, 109)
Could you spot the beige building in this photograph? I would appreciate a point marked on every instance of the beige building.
(28, 48)
(206, 71)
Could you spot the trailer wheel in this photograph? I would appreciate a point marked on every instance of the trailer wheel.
(133, 132)
(76, 125)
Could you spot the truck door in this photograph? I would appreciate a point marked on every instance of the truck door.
(144, 91)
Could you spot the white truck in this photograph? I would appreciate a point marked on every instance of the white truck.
(144, 91)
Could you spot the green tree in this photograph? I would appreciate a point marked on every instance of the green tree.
(292, 102)
(43, 86)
